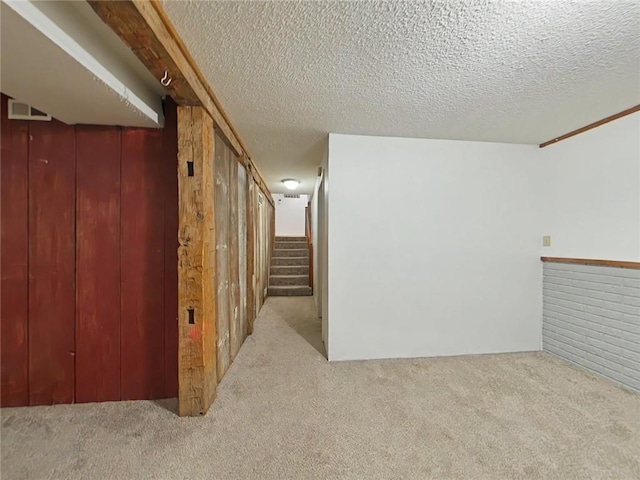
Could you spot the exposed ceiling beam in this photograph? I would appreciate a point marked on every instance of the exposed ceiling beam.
(145, 27)
(611, 118)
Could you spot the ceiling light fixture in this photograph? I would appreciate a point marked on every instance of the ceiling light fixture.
(291, 183)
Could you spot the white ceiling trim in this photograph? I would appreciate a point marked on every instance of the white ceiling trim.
(46, 26)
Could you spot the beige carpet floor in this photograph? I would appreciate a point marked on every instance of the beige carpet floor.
(284, 412)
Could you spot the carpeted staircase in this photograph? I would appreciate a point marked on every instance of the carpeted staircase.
(290, 268)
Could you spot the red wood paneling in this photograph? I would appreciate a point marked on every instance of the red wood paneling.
(98, 264)
(142, 263)
(89, 262)
(14, 233)
(169, 159)
(51, 263)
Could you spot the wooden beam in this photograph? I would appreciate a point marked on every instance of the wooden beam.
(254, 173)
(127, 22)
(145, 27)
(598, 263)
(251, 248)
(611, 118)
(197, 377)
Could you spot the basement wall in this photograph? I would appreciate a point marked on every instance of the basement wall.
(591, 192)
(435, 249)
(240, 282)
(290, 215)
(89, 292)
(89, 265)
(592, 319)
(591, 314)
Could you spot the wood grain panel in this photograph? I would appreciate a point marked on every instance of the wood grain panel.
(264, 243)
(235, 334)
(223, 291)
(196, 265)
(209, 298)
(242, 251)
(271, 236)
(51, 263)
(190, 365)
(259, 250)
(14, 300)
(69, 264)
(251, 299)
(142, 265)
(170, 166)
(98, 264)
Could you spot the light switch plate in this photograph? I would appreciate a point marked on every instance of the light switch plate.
(546, 241)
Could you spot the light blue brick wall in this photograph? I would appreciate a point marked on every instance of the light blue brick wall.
(591, 317)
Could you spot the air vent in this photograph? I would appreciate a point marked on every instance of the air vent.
(291, 195)
(22, 111)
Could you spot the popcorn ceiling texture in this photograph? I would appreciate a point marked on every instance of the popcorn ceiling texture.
(288, 73)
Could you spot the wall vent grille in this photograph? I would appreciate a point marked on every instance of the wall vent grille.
(22, 111)
(291, 195)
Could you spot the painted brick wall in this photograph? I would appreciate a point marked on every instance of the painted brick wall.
(591, 317)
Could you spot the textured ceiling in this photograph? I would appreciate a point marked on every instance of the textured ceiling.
(288, 73)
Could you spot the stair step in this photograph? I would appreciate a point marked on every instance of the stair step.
(277, 280)
(289, 261)
(289, 291)
(290, 245)
(292, 239)
(290, 270)
(298, 252)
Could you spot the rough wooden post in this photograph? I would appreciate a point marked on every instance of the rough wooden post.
(197, 378)
(251, 297)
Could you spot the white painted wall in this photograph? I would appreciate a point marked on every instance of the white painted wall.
(435, 245)
(315, 236)
(290, 215)
(323, 196)
(434, 248)
(592, 189)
